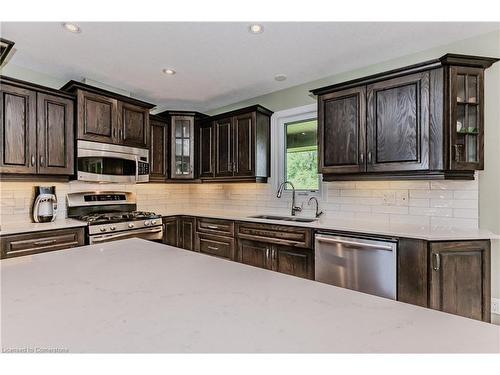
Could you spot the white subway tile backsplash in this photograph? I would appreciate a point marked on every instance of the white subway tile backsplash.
(437, 194)
(391, 209)
(437, 204)
(431, 211)
(465, 194)
(454, 203)
(466, 213)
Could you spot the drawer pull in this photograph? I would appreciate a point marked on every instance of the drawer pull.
(31, 251)
(212, 248)
(212, 227)
(46, 242)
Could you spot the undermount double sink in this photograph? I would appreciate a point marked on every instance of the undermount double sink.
(284, 218)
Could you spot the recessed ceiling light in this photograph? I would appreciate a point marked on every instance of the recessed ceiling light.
(72, 28)
(170, 72)
(256, 28)
(280, 77)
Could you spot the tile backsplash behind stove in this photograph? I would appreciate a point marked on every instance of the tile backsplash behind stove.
(437, 204)
(16, 197)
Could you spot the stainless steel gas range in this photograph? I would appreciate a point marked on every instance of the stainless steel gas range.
(112, 215)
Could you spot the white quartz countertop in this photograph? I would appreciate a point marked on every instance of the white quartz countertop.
(138, 296)
(16, 227)
(349, 225)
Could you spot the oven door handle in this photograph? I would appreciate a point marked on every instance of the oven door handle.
(106, 237)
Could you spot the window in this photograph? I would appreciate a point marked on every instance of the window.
(295, 145)
(301, 154)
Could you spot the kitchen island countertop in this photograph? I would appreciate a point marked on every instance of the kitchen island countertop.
(138, 296)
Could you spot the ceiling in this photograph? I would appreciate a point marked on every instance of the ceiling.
(217, 63)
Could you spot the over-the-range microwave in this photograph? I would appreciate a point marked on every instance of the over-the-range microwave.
(102, 162)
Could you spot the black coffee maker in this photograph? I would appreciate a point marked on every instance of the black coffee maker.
(44, 204)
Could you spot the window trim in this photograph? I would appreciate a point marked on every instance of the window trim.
(278, 121)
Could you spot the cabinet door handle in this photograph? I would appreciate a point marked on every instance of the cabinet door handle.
(46, 242)
(361, 158)
(114, 133)
(212, 227)
(212, 247)
(41, 160)
(369, 157)
(120, 134)
(32, 160)
(437, 262)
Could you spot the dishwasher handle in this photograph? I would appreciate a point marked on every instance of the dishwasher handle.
(361, 244)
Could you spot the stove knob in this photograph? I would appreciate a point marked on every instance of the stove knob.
(112, 227)
(147, 223)
(153, 222)
(131, 225)
(102, 229)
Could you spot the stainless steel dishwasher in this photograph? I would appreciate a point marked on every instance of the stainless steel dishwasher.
(365, 264)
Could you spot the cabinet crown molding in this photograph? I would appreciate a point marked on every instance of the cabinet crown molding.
(445, 60)
(72, 86)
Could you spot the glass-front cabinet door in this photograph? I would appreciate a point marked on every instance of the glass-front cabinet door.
(466, 111)
(182, 147)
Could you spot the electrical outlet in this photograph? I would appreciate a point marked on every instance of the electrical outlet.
(495, 306)
(402, 198)
(389, 198)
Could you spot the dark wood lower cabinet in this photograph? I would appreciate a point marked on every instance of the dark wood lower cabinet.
(293, 261)
(171, 231)
(284, 259)
(179, 231)
(186, 234)
(460, 278)
(39, 242)
(254, 253)
(451, 276)
(219, 246)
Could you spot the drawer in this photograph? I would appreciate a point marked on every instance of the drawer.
(277, 234)
(215, 226)
(219, 246)
(39, 242)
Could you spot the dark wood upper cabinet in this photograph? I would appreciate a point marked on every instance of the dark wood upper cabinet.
(159, 149)
(97, 117)
(240, 144)
(342, 133)
(18, 130)
(187, 137)
(398, 124)
(133, 125)
(460, 278)
(55, 135)
(206, 150)
(422, 121)
(466, 113)
(223, 130)
(244, 148)
(108, 117)
(36, 130)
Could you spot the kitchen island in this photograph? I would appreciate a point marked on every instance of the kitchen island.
(139, 296)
